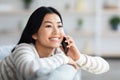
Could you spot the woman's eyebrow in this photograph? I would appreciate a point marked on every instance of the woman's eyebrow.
(59, 22)
(47, 22)
(51, 22)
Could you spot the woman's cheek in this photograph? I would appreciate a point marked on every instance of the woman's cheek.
(62, 33)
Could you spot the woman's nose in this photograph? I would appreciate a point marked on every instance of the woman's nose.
(56, 31)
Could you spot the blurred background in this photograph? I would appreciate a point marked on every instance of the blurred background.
(94, 25)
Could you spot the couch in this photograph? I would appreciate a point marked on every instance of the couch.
(5, 50)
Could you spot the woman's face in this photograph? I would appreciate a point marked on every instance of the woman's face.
(50, 33)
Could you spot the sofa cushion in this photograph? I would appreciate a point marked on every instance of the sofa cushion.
(5, 50)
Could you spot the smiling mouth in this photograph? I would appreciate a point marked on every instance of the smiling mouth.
(55, 39)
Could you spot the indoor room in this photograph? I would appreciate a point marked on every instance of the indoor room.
(93, 24)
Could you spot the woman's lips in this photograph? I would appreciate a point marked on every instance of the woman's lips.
(56, 39)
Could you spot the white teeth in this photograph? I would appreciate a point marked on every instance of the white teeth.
(54, 38)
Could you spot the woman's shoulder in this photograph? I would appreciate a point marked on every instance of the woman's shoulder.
(24, 46)
(27, 49)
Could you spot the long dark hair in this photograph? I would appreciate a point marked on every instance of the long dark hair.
(34, 23)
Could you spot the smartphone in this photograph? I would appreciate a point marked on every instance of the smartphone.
(64, 45)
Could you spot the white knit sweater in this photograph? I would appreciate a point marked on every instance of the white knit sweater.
(25, 61)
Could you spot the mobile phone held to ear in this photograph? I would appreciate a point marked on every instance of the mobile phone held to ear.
(64, 45)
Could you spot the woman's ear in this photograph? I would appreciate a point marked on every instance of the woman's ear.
(34, 36)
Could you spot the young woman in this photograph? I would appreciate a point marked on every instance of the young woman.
(39, 54)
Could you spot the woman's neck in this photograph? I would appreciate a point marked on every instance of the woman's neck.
(44, 51)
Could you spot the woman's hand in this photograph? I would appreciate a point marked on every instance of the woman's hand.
(73, 51)
(73, 63)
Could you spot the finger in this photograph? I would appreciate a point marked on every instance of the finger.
(61, 48)
(74, 65)
(69, 39)
(69, 45)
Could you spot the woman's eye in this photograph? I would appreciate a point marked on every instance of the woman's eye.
(60, 26)
(48, 26)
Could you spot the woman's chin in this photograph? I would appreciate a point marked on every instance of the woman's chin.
(55, 46)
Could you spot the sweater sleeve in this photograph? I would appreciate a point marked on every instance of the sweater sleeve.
(27, 64)
(96, 65)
